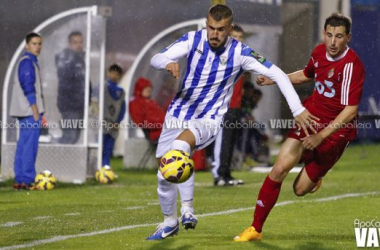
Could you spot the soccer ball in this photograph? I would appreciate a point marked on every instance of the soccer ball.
(45, 181)
(176, 166)
(105, 175)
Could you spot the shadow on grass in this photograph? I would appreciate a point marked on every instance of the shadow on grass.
(311, 245)
(168, 244)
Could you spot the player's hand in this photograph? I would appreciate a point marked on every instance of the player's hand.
(173, 68)
(306, 120)
(311, 142)
(263, 80)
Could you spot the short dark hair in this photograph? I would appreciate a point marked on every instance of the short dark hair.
(220, 11)
(116, 68)
(74, 33)
(30, 36)
(238, 28)
(337, 19)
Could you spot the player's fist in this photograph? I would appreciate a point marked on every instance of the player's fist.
(263, 80)
(173, 68)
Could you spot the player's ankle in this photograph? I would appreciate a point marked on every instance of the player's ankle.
(257, 227)
(170, 221)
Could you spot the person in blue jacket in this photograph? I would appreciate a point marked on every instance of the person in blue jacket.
(27, 105)
(114, 111)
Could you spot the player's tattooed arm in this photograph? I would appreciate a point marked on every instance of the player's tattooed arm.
(173, 68)
(295, 78)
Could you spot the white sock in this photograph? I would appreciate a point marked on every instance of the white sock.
(170, 221)
(186, 190)
(181, 145)
(167, 195)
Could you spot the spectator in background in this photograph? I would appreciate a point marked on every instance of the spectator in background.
(71, 85)
(167, 91)
(252, 139)
(225, 141)
(27, 105)
(145, 112)
(114, 111)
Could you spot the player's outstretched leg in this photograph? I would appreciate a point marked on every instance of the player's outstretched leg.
(289, 155)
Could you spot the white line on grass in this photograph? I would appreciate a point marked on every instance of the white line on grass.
(11, 224)
(231, 211)
(41, 217)
(72, 214)
(134, 207)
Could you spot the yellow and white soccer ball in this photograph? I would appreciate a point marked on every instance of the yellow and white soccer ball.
(105, 175)
(45, 181)
(176, 166)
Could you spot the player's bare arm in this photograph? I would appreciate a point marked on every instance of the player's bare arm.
(347, 115)
(173, 69)
(298, 77)
(36, 115)
(295, 78)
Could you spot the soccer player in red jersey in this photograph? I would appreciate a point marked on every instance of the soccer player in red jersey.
(339, 78)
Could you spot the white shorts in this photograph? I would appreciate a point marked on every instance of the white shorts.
(204, 130)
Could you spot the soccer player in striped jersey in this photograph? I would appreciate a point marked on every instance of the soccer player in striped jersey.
(339, 78)
(214, 62)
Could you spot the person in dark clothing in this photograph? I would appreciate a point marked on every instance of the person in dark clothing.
(71, 85)
(252, 139)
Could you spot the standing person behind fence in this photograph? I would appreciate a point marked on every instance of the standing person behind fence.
(114, 111)
(27, 105)
(71, 85)
(225, 140)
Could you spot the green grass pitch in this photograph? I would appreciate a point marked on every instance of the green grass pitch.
(122, 215)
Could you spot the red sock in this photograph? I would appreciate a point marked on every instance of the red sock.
(268, 195)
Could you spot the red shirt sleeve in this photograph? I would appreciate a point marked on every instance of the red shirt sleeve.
(309, 69)
(355, 86)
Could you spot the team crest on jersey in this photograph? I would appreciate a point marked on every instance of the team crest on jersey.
(223, 60)
(258, 57)
(331, 73)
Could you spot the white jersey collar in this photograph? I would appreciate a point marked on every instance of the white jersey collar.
(337, 58)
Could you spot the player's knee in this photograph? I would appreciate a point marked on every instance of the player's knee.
(278, 173)
(299, 191)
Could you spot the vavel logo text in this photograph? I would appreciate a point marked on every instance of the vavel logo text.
(367, 233)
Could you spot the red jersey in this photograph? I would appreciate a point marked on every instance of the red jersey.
(338, 83)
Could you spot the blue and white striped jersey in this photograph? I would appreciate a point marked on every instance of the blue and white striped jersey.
(210, 75)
